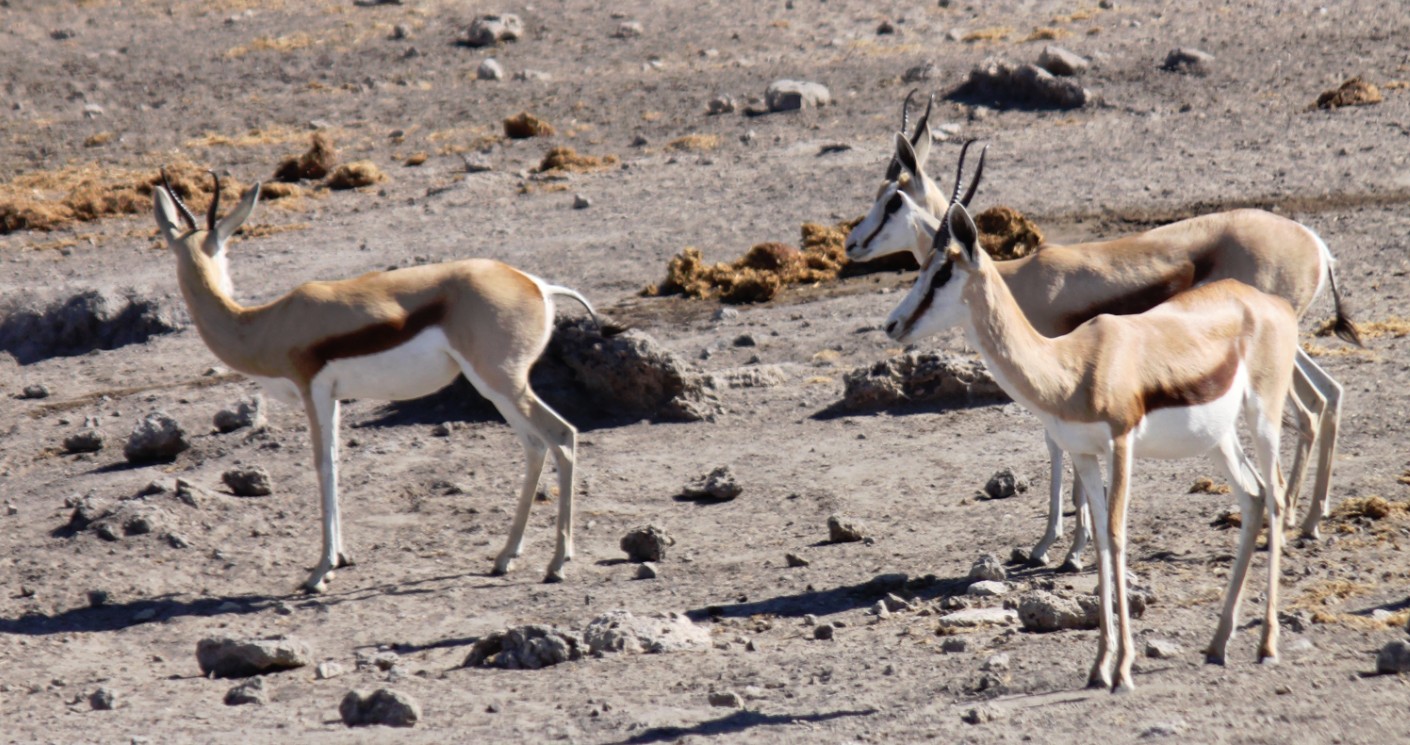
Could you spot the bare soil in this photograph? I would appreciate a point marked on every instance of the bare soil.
(241, 85)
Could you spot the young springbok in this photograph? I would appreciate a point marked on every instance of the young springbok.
(1168, 383)
(390, 335)
(1060, 287)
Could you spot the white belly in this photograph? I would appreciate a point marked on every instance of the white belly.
(282, 390)
(417, 368)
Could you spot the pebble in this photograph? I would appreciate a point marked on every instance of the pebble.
(36, 391)
(719, 485)
(1004, 484)
(987, 588)
(247, 412)
(328, 669)
(383, 706)
(722, 104)
(1059, 61)
(224, 657)
(249, 692)
(1394, 657)
(726, 699)
(492, 29)
(581, 202)
(489, 69)
(823, 631)
(627, 30)
(248, 481)
(85, 441)
(921, 73)
(976, 617)
(980, 715)
(1189, 60)
(988, 568)
(795, 561)
(954, 645)
(1162, 649)
(792, 95)
(646, 570)
(841, 529)
(647, 543)
(103, 699)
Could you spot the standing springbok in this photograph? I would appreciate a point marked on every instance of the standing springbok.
(1060, 287)
(391, 335)
(1168, 383)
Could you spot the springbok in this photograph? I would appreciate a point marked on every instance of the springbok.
(1059, 287)
(390, 335)
(1171, 382)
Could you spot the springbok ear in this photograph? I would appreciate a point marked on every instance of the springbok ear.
(227, 226)
(906, 155)
(166, 214)
(963, 232)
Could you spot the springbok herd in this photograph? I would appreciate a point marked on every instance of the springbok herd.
(1151, 345)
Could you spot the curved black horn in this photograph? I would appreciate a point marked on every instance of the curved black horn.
(974, 184)
(959, 171)
(215, 202)
(924, 123)
(906, 110)
(185, 213)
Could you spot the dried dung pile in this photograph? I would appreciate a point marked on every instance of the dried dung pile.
(47, 200)
(355, 174)
(1354, 92)
(1006, 234)
(762, 272)
(569, 160)
(313, 165)
(524, 125)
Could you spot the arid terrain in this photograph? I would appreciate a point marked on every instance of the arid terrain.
(99, 94)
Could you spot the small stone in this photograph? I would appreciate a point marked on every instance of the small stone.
(1059, 61)
(921, 73)
(529, 647)
(976, 617)
(384, 706)
(823, 631)
(792, 95)
(795, 561)
(988, 567)
(954, 645)
(722, 105)
(92, 111)
(155, 438)
(726, 700)
(36, 391)
(11, 509)
(885, 28)
(1004, 484)
(895, 603)
(401, 31)
(1189, 60)
(489, 69)
(532, 76)
(249, 692)
(248, 481)
(1394, 657)
(719, 485)
(987, 588)
(328, 669)
(980, 715)
(248, 412)
(223, 657)
(647, 543)
(646, 570)
(841, 529)
(880, 610)
(627, 30)
(581, 202)
(1162, 649)
(103, 699)
(996, 663)
(1019, 556)
(85, 441)
(144, 615)
(1297, 622)
(492, 29)
(441, 430)
(98, 598)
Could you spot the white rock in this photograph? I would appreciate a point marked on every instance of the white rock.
(490, 70)
(987, 588)
(790, 95)
(975, 617)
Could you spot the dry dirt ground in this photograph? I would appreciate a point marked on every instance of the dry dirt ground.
(239, 85)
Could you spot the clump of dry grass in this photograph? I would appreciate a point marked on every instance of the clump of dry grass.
(763, 271)
(1046, 34)
(1353, 92)
(568, 159)
(417, 159)
(998, 33)
(47, 200)
(696, 143)
(1326, 592)
(1404, 478)
(1006, 234)
(1374, 507)
(1205, 485)
(317, 162)
(524, 125)
(99, 139)
(355, 174)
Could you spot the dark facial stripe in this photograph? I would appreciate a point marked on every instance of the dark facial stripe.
(892, 204)
(937, 280)
(373, 339)
(1195, 392)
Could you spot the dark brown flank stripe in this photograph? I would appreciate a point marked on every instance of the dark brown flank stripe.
(372, 339)
(1145, 298)
(1195, 392)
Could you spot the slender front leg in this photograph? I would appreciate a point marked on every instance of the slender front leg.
(1039, 556)
(562, 439)
(1119, 495)
(1229, 457)
(1265, 450)
(1091, 478)
(322, 411)
(1082, 532)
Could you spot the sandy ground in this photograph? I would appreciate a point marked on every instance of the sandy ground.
(239, 84)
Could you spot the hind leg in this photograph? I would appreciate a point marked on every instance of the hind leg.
(562, 439)
(1327, 428)
(1230, 459)
(1039, 555)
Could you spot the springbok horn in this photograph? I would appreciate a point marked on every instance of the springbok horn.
(906, 110)
(959, 171)
(215, 202)
(186, 215)
(974, 184)
(924, 121)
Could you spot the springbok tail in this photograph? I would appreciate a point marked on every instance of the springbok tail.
(606, 329)
(1342, 325)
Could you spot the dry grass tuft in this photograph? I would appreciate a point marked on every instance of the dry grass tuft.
(1046, 34)
(1373, 507)
(696, 143)
(998, 33)
(355, 174)
(47, 200)
(1357, 353)
(290, 43)
(569, 160)
(1404, 478)
(279, 190)
(1006, 234)
(317, 162)
(1354, 92)
(763, 271)
(524, 125)
(417, 159)
(1204, 485)
(1326, 592)
(98, 140)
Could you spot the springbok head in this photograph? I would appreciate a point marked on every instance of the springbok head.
(180, 230)
(936, 300)
(901, 221)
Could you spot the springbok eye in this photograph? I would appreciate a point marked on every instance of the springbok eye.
(894, 203)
